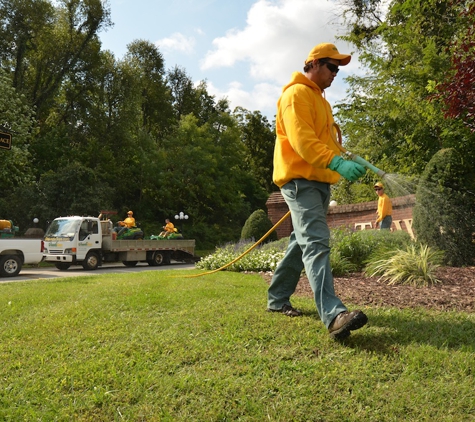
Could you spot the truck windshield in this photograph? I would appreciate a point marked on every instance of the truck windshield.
(63, 228)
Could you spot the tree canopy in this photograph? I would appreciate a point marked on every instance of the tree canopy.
(393, 116)
(94, 132)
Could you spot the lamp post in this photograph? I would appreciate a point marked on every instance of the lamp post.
(181, 216)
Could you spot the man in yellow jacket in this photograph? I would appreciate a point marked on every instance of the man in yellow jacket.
(306, 163)
(129, 222)
(385, 208)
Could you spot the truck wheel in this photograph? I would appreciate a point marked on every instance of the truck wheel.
(62, 266)
(10, 265)
(91, 262)
(159, 258)
(130, 263)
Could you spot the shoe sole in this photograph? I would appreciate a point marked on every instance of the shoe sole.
(358, 321)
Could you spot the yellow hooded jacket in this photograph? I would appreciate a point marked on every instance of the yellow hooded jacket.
(304, 146)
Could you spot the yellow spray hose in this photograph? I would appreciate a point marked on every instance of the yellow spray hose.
(246, 252)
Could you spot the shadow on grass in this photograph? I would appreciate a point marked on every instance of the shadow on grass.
(384, 333)
(389, 329)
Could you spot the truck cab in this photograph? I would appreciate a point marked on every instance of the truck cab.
(72, 240)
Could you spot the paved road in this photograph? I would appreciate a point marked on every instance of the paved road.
(41, 273)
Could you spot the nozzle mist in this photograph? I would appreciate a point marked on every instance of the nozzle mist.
(363, 162)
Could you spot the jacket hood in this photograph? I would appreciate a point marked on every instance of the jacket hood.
(300, 78)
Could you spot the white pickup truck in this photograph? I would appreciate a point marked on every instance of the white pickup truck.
(16, 252)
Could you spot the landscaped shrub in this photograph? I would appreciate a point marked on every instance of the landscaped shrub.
(256, 226)
(357, 247)
(444, 214)
(415, 266)
(340, 265)
(350, 251)
(262, 258)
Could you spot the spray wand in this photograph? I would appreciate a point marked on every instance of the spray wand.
(353, 157)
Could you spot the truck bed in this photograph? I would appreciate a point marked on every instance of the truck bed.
(153, 245)
(31, 250)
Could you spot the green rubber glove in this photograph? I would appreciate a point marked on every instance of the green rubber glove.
(348, 169)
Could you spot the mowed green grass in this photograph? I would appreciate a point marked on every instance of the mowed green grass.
(160, 346)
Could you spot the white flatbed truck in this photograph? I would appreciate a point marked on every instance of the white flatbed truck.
(90, 242)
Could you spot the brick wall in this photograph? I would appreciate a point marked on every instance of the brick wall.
(355, 216)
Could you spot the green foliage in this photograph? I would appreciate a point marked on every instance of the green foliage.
(350, 251)
(391, 117)
(259, 138)
(72, 190)
(458, 90)
(16, 170)
(444, 215)
(415, 266)
(261, 258)
(145, 138)
(340, 265)
(257, 225)
(358, 246)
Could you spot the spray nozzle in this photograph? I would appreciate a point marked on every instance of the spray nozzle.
(363, 162)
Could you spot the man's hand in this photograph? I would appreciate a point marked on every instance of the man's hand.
(348, 169)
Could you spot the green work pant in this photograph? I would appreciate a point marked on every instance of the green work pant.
(308, 248)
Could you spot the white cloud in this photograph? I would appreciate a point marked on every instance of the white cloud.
(177, 42)
(262, 97)
(277, 38)
(274, 43)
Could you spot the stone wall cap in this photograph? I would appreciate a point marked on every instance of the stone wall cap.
(397, 202)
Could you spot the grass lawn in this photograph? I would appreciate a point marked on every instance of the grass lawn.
(157, 346)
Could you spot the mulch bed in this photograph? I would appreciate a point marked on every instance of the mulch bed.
(455, 292)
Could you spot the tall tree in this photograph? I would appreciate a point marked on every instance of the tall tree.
(49, 43)
(259, 138)
(146, 63)
(205, 175)
(16, 171)
(185, 98)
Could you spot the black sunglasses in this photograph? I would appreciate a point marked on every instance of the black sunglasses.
(333, 68)
(377, 188)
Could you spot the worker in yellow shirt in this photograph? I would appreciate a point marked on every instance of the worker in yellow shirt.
(306, 163)
(385, 208)
(168, 228)
(129, 222)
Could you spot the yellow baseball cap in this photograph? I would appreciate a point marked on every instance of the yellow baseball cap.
(379, 185)
(324, 50)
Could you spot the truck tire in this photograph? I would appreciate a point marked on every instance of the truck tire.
(130, 263)
(62, 266)
(10, 265)
(159, 258)
(91, 262)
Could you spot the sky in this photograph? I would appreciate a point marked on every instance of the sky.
(245, 50)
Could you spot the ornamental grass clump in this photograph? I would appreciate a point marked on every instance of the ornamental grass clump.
(415, 266)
